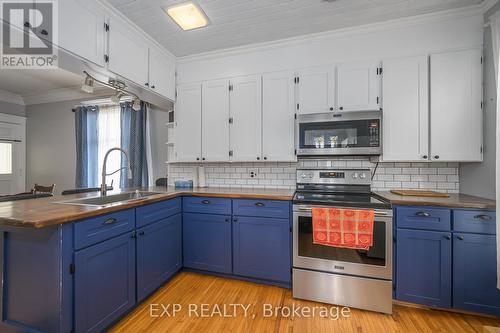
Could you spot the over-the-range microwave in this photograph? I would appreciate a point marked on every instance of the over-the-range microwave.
(335, 133)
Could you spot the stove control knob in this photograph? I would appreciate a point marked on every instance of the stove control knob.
(355, 175)
(303, 176)
(362, 176)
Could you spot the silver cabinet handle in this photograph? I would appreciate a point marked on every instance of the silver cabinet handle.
(423, 214)
(109, 221)
(259, 204)
(483, 217)
(205, 202)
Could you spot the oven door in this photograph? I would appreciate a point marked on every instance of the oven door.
(339, 134)
(376, 262)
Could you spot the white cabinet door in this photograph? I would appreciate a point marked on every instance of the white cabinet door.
(246, 114)
(215, 121)
(188, 119)
(316, 90)
(128, 52)
(456, 114)
(406, 111)
(358, 86)
(161, 73)
(81, 29)
(278, 116)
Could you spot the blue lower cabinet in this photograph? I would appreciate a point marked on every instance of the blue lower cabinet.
(104, 283)
(159, 254)
(474, 274)
(261, 248)
(424, 267)
(207, 242)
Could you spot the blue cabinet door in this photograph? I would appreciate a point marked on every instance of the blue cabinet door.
(207, 242)
(261, 248)
(474, 274)
(423, 267)
(104, 283)
(159, 254)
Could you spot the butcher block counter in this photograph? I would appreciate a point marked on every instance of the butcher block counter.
(39, 213)
(453, 201)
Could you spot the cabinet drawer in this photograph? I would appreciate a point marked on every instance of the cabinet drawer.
(151, 213)
(477, 221)
(423, 218)
(262, 208)
(207, 205)
(103, 227)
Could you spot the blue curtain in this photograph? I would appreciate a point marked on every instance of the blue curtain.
(86, 146)
(133, 141)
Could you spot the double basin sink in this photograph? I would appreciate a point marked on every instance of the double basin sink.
(109, 200)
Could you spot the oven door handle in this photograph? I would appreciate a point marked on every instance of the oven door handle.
(309, 210)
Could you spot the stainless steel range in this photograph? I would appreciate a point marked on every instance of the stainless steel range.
(350, 277)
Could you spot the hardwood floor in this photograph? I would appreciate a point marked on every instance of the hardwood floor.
(189, 291)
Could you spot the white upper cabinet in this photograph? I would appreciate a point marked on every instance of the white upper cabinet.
(81, 29)
(128, 52)
(215, 121)
(316, 90)
(188, 123)
(456, 114)
(406, 111)
(161, 73)
(278, 116)
(358, 86)
(246, 115)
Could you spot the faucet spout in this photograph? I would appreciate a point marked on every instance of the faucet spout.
(104, 189)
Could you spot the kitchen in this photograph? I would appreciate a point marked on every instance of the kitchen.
(180, 166)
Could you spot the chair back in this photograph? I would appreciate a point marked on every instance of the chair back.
(38, 189)
(161, 182)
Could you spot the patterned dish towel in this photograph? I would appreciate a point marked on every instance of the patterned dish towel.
(344, 228)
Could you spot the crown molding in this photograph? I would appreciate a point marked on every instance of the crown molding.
(8, 97)
(488, 4)
(342, 32)
(63, 94)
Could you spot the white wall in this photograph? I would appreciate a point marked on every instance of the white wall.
(411, 36)
(51, 151)
(13, 109)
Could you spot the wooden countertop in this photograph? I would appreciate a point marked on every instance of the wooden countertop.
(44, 212)
(453, 201)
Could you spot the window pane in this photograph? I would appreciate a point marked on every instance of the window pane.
(5, 158)
(109, 137)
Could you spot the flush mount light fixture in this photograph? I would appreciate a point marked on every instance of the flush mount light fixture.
(88, 85)
(188, 16)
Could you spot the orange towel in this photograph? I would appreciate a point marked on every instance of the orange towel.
(344, 228)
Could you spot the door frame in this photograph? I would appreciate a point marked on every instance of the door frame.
(20, 148)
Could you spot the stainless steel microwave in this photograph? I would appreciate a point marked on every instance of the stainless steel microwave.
(349, 133)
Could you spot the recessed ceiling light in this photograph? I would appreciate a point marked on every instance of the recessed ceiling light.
(188, 16)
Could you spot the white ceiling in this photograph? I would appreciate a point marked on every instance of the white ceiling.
(34, 86)
(34, 81)
(241, 22)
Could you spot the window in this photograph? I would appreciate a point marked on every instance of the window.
(109, 136)
(5, 158)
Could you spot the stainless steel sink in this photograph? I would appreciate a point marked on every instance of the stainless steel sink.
(109, 200)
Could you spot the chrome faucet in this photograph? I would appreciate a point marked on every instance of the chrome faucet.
(104, 188)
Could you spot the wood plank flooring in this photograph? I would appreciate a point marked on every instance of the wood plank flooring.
(195, 289)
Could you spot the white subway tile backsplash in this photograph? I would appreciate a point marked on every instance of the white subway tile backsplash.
(439, 176)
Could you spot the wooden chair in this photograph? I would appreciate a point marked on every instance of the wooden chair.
(39, 189)
(161, 182)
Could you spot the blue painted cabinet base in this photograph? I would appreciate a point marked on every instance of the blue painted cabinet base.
(159, 254)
